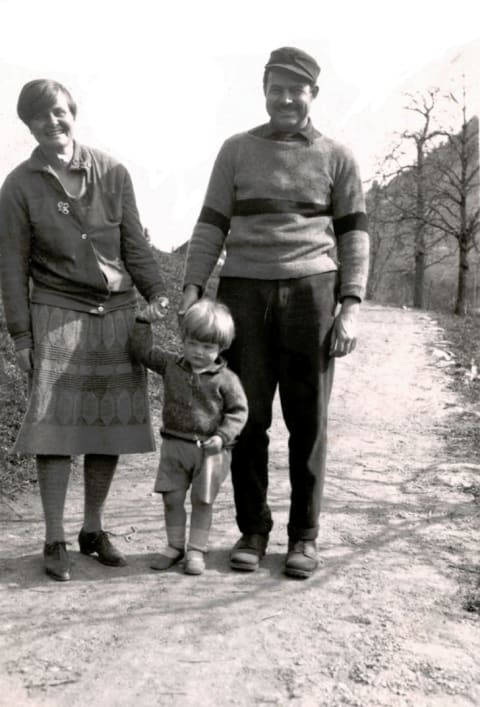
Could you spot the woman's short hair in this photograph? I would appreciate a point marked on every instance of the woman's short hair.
(39, 95)
(210, 322)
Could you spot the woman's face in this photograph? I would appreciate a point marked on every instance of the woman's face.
(53, 127)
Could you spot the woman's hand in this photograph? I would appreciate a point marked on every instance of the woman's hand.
(25, 360)
(154, 311)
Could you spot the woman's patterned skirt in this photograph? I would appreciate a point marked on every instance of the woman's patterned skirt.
(86, 394)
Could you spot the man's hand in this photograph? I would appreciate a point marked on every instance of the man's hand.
(191, 294)
(344, 333)
(213, 445)
(25, 360)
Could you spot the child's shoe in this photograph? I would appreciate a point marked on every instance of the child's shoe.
(194, 562)
(166, 558)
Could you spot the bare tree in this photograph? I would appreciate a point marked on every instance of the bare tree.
(430, 193)
(455, 208)
(414, 177)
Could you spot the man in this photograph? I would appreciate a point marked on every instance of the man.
(281, 197)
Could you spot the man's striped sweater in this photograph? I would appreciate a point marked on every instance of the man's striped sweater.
(280, 207)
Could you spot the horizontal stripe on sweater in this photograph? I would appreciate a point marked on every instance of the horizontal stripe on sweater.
(214, 218)
(254, 207)
(351, 222)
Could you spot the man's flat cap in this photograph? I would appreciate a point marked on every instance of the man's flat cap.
(294, 60)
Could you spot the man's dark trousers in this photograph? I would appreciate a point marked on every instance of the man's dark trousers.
(283, 331)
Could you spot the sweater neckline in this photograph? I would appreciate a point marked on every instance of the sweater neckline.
(285, 144)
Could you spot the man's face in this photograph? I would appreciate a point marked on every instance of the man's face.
(288, 100)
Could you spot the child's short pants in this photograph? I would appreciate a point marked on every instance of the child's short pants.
(183, 464)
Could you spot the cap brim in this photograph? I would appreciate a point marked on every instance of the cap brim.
(292, 70)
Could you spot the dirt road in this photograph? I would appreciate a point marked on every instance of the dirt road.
(383, 622)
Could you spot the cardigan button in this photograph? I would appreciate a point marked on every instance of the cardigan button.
(101, 308)
(84, 236)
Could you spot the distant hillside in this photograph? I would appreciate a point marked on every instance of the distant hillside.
(392, 208)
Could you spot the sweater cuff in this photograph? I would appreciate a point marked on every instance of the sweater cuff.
(154, 292)
(23, 341)
(351, 296)
(355, 291)
(194, 284)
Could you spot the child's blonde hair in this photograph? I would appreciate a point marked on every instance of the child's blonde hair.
(210, 322)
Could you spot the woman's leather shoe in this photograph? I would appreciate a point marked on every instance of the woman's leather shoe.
(98, 542)
(56, 562)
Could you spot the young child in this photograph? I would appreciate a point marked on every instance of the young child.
(204, 411)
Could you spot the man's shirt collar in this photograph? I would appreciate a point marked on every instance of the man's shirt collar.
(307, 134)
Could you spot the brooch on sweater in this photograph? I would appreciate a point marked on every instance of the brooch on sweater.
(63, 207)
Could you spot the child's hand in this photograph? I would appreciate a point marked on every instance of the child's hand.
(154, 311)
(213, 445)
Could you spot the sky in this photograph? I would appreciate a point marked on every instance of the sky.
(160, 85)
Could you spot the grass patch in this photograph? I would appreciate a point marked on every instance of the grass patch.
(16, 471)
(463, 340)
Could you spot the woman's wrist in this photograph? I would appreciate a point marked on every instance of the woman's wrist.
(160, 300)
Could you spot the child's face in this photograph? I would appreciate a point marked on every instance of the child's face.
(200, 354)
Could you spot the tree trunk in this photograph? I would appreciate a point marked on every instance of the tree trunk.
(461, 303)
(419, 282)
(464, 237)
(418, 286)
(463, 247)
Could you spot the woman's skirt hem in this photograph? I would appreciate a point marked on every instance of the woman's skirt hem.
(45, 439)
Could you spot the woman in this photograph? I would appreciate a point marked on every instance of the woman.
(72, 250)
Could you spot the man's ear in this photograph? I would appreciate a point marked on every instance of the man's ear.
(315, 91)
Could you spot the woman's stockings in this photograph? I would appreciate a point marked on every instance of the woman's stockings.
(98, 474)
(53, 474)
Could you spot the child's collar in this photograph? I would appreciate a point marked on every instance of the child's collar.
(216, 366)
